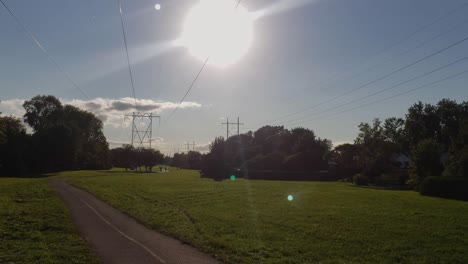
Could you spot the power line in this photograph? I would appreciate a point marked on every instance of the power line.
(398, 42)
(373, 81)
(381, 91)
(38, 43)
(189, 89)
(408, 50)
(391, 97)
(128, 57)
(194, 81)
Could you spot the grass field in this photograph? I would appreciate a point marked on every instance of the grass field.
(253, 222)
(35, 226)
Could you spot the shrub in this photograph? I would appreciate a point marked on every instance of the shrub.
(397, 177)
(360, 179)
(452, 188)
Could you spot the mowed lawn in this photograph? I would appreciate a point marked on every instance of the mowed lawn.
(35, 226)
(245, 221)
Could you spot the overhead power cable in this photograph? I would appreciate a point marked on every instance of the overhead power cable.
(399, 41)
(390, 97)
(126, 51)
(194, 81)
(373, 81)
(387, 48)
(38, 43)
(189, 89)
(381, 91)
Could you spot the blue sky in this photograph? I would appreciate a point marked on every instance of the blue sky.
(303, 53)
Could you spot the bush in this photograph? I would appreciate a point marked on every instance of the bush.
(360, 179)
(396, 178)
(452, 188)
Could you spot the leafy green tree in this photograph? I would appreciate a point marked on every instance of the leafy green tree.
(346, 158)
(2, 134)
(425, 161)
(395, 132)
(376, 149)
(124, 157)
(194, 160)
(14, 155)
(457, 165)
(214, 163)
(92, 149)
(179, 160)
(42, 111)
(422, 122)
(149, 158)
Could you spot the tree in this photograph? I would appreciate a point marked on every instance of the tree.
(422, 122)
(213, 164)
(42, 111)
(124, 157)
(457, 165)
(87, 135)
(346, 158)
(394, 131)
(2, 132)
(194, 160)
(425, 161)
(149, 158)
(14, 155)
(262, 134)
(179, 160)
(376, 149)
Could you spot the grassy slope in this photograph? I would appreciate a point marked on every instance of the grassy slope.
(35, 226)
(252, 221)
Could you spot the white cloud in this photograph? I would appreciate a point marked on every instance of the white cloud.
(110, 111)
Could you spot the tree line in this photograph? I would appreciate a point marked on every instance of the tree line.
(63, 137)
(271, 152)
(433, 137)
(131, 158)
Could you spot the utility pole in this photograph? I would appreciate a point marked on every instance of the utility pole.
(145, 135)
(193, 149)
(238, 124)
(227, 126)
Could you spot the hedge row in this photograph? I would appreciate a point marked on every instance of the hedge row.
(452, 188)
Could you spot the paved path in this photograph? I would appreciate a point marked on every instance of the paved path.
(118, 238)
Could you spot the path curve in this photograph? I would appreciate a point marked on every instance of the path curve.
(117, 238)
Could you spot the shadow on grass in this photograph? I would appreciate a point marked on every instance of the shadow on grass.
(30, 176)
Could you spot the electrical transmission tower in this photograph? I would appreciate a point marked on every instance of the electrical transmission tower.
(142, 133)
(227, 126)
(190, 145)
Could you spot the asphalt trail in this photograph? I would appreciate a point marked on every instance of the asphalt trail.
(118, 238)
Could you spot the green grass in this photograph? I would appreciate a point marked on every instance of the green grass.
(35, 226)
(253, 222)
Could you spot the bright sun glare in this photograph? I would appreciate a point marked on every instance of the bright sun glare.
(219, 30)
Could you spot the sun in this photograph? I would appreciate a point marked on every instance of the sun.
(218, 30)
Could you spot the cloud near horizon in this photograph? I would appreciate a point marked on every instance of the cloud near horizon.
(110, 111)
